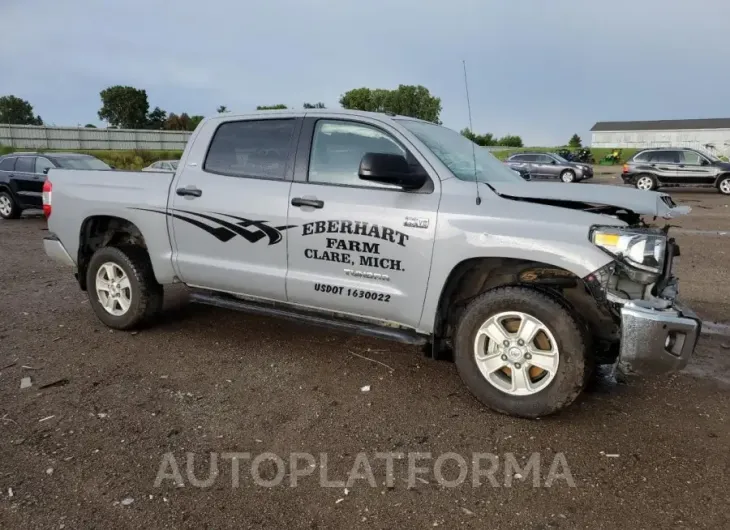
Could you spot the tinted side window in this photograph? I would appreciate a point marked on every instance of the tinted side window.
(41, 164)
(517, 158)
(7, 164)
(25, 164)
(642, 157)
(544, 159)
(258, 149)
(529, 158)
(338, 148)
(665, 157)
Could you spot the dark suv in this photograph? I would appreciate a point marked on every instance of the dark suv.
(543, 166)
(22, 176)
(655, 168)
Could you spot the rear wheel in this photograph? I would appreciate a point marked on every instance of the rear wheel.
(724, 185)
(520, 352)
(646, 183)
(567, 176)
(9, 209)
(122, 288)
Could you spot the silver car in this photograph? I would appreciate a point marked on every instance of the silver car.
(543, 166)
(162, 165)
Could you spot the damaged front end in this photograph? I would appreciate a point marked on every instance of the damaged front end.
(658, 334)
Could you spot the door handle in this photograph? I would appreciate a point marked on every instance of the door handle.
(312, 203)
(189, 192)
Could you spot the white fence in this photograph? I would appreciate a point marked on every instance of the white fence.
(35, 137)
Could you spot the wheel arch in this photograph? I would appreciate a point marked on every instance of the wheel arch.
(474, 276)
(102, 231)
(721, 177)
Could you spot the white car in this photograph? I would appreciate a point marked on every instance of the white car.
(162, 165)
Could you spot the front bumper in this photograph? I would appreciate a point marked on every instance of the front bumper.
(55, 249)
(656, 340)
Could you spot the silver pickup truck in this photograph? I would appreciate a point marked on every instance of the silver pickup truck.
(391, 227)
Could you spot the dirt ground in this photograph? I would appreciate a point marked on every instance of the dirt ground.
(85, 452)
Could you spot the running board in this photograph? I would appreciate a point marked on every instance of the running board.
(359, 328)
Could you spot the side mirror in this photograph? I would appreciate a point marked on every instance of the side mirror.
(45, 171)
(705, 162)
(553, 162)
(390, 169)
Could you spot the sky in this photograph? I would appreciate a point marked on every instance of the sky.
(540, 69)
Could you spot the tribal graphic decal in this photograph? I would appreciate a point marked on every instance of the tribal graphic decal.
(252, 231)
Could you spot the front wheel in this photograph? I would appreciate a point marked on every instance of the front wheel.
(9, 209)
(122, 288)
(567, 176)
(724, 185)
(520, 352)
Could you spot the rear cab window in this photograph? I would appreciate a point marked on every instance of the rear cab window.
(251, 149)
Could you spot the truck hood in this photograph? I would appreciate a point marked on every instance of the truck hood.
(593, 197)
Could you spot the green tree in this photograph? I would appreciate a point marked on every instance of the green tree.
(124, 106)
(16, 111)
(156, 119)
(575, 141)
(510, 141)
(479, 139)
(319, 105)
(195, 121)
(222, 109)
(406, 100)
(90, 126)
(280, 106)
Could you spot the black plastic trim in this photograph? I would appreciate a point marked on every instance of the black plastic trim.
(271, 310)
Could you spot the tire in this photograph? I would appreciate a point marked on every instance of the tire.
(572, 370)
(724, 185)
(9, 209)
(145, 294)
(646, 183)
(568, 176)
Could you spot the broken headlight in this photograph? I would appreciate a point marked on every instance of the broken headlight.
(638, 249)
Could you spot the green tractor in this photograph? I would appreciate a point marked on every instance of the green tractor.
(612, 158)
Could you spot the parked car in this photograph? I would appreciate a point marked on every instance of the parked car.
(391, 227)
(657, 168)
(162, 165)
(22, 176)
(543, 166)
(522, 172)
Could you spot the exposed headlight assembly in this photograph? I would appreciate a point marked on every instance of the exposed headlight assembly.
(640, 250)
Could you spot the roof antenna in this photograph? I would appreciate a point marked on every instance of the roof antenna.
(471, 128)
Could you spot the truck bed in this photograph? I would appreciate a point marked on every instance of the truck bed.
(79, 195)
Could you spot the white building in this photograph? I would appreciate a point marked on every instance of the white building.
(711, 135)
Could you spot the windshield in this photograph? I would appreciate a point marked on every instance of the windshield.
(458, 153)
(85, 162)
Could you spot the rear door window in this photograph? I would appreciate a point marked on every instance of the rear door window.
(253, 149)
(25, 164)
(665, 157)
(642, 157)
(7, 164)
